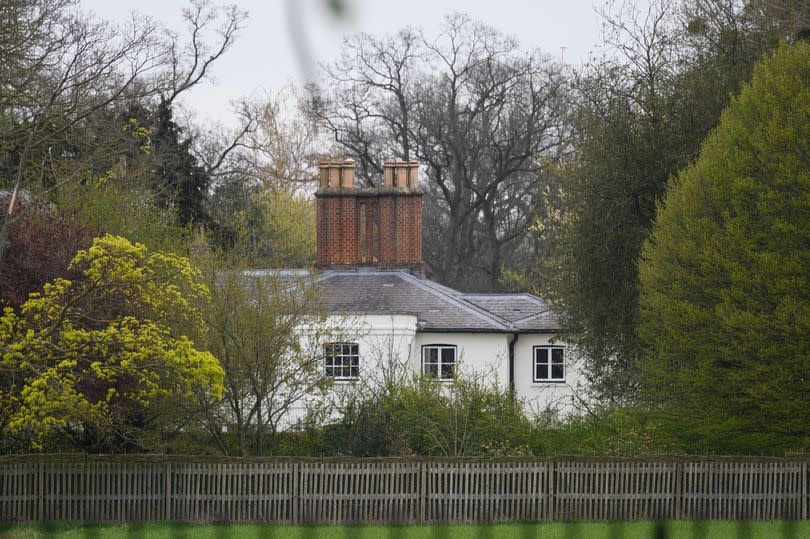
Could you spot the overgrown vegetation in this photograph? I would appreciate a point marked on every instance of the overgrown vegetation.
(102, 362)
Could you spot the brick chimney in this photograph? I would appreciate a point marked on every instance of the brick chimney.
(379, 227)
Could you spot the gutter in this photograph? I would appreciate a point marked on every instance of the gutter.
(512, 342)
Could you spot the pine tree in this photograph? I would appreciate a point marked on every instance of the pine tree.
(180, 181)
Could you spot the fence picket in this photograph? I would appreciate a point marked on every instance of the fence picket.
(143, 488)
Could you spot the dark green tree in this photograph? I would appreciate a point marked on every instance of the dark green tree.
(725, 275)
(642, 114)
(179, 180)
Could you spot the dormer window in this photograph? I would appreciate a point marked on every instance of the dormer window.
(342, 360)
(549, 364)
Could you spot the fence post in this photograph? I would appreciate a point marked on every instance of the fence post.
(677, 493)
(295, 492)
(423, 488)
(550, 486)
(41, 492)
(167, 491)
(804, 490)
(84, 505)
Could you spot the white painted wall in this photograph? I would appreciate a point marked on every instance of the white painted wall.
(479, 354)
(542, 396)
(389, 345)
(385, 344)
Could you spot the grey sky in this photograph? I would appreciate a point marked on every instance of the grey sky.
(264, 58)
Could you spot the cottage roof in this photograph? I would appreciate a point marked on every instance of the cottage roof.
(437, 307)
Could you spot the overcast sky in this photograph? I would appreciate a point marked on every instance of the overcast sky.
(265, 59)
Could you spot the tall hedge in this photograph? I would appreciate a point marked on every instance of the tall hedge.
(725, 275)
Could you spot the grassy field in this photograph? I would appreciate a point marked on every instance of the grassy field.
(562, 530)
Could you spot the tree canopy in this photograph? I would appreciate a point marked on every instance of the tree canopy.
(641, 113)
(725, 289)
(87, 358)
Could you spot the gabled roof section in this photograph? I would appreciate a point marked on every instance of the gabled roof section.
(525, 311)
(437, 307)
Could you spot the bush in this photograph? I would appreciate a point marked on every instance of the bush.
(425, 417)
(42, 242)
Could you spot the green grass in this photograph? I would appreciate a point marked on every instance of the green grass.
(553, 530)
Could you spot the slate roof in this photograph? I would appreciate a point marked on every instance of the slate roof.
(525, 311)
(437, 307)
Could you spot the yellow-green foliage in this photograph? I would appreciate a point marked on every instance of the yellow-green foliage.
(279, 229)
(124, 210)
(725, 278)
(92, 352)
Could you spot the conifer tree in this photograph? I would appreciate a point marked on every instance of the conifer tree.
(181, 181)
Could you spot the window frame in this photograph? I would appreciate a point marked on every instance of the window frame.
(439, 363)
(342, 365)
(549, 380)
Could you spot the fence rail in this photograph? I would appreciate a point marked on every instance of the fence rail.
(144, 488)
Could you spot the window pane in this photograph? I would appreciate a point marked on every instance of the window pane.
(341, 360)
(448, 355)
(447, 370)
(431, 370)
(542, 371)
(541, 355)
(557, 355)
(432, 355)
(557, 372)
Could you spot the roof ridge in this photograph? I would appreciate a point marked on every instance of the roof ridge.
(531, 316)
(466, 305)
(531, 297)
(493, 294)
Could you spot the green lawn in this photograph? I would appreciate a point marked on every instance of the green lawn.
(562, 530)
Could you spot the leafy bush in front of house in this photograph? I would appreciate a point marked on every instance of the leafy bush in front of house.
(419, 416)
(725, 277)
(604, 430)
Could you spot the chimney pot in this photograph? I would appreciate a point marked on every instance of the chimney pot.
(389, 171)
(413, 174)
(334, 175)
(347, 172)
(323, 174)
(401, 176)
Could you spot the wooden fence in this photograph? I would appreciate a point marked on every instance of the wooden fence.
(149, 488)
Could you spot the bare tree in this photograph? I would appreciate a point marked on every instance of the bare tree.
(269, 335)
(484, 118)
(61, 68)
(274, 147)
(191, 62)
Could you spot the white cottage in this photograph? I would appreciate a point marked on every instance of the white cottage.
(369, 252)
